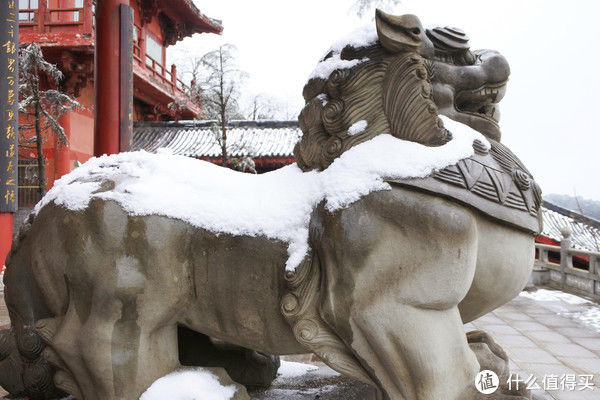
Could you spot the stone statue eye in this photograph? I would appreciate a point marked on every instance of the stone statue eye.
(416, 31)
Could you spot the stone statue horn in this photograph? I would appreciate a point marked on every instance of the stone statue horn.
(402, 33)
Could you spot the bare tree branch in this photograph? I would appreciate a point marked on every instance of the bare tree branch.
(46, 107)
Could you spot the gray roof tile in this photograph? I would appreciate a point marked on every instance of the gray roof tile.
(196, 139)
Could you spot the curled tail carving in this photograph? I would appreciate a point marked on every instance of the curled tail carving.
(24, 372)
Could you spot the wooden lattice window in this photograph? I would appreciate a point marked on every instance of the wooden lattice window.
(28, 190)
(27, 16)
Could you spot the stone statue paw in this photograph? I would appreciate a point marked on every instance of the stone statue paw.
(489, 354)
(255, 370)
(492, 357)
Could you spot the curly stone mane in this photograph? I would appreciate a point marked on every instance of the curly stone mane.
(391, 92)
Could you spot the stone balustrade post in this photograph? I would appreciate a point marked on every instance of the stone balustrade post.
(566, 260)
(543, 256)
(594, 261)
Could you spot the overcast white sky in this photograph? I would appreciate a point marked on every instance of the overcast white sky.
(549, 115)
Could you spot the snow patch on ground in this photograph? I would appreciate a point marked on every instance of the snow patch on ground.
(554, 295)
(589, 317)
(189, 384)
(290, 369)
(579, 309)
(357, 127)
(277, 204)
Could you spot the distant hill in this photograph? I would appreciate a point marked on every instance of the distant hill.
(587, 207)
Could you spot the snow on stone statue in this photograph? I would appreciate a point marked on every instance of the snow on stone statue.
(389, 233)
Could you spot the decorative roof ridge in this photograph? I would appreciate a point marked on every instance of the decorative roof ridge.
(215, 24)
(265, 123)
(571, 214)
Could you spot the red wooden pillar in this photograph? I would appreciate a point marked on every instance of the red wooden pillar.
(88, 17)
(174, 76)
(41, 17)
(108, 71)
(62, 157)
(6, 232)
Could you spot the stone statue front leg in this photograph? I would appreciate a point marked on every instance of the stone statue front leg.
(414, 352)
(393, 290)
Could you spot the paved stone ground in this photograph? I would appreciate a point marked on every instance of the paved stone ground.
(540, 337)
(323, 384)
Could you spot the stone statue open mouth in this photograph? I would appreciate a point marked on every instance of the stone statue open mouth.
(481, 102)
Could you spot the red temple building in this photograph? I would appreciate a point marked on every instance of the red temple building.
(65, 31)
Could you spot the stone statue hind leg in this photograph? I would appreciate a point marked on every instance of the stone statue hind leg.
(111, 355)
(117, 332)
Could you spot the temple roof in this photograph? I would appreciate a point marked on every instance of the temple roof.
(187, 11)
(196, 139)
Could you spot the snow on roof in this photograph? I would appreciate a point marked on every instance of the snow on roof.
(195, 138)
(276, 204)
(585, 231)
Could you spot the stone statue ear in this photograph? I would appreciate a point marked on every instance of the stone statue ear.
(398, 33)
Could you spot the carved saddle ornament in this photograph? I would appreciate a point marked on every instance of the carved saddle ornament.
(493, 181)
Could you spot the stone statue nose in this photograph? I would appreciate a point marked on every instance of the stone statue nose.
(495, 65)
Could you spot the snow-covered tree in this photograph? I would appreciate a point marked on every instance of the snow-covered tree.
(218, 85)
(44, 107)
(262, 107)
(241, 163)
(215, 85)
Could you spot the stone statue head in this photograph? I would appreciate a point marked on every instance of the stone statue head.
(399, 83)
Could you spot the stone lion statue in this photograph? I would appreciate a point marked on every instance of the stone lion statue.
(106, 295)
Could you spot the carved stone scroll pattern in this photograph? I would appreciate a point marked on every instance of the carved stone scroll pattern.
(300, 308)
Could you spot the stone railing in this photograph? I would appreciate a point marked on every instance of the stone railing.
(554, 267)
